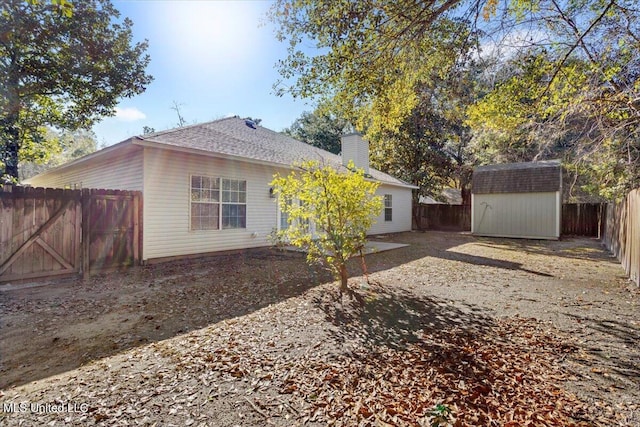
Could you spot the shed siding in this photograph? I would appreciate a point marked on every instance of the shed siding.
(401, 205)
(523, 215)
(166, 205)
(121, 172)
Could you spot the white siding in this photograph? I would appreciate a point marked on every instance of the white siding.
(166, 204)
(401, 205)
(112, 172)
(523, 215)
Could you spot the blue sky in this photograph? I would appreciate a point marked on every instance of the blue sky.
(213, 58)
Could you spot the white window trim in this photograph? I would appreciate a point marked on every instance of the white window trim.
(220, 203)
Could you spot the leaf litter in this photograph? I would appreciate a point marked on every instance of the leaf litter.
(395, 356)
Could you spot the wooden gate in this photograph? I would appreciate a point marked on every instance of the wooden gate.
(110, 229)
(51, 232)
(39, 233)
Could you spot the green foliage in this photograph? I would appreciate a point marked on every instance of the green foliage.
(416, 154)
(319, 129)
(566, 84)
(61, 71)
(430, 147)
(329, 213)
(373, 55)
(545, 110)
(65, 7)
(440, 415)
(64, 146)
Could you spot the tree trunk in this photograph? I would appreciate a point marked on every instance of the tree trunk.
(344, 277)
(415, 211)
(364, 265)
(9, 129)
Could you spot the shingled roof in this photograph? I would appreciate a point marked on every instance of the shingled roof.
(243, 139)
(527, 177)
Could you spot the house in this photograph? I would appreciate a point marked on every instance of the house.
(521, 200)
(206, 187)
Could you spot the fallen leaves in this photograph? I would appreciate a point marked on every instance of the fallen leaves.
(423, 348)
(506, 373)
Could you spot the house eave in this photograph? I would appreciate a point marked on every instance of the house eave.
(150, 143)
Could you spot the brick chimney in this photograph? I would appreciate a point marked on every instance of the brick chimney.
(357, 149)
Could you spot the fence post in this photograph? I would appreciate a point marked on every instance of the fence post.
(136, 230)
(86, 232)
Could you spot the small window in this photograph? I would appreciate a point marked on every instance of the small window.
(388, 208)
(284, 217)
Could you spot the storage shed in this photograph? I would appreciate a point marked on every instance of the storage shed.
(521, 200)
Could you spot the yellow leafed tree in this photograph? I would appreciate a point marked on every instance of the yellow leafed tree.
(328, 213)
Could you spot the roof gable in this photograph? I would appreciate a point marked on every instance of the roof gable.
(234, 137)
(527, 177)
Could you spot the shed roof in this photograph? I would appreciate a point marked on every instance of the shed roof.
(526, 177)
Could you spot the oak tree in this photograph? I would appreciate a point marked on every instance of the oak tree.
(319, 129)
(65, 70)
(372, 57)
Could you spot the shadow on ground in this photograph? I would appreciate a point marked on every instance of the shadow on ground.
(619, 353)
(51, 329)
(399, 345)
(376, 316)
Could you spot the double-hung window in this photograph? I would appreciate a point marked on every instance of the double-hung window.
(284, 217)
(234, 203)
(388, 208)
(205, 203)
(218, 203)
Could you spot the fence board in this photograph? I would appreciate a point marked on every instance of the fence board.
(622, 233)
(582, 219)
(113, 234)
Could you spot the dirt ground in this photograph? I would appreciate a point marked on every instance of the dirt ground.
(259, 338)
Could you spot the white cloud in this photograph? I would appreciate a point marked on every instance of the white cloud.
(129, 114)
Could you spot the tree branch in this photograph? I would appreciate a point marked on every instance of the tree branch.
(579, 42)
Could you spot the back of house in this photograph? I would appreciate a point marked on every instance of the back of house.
(206, 187)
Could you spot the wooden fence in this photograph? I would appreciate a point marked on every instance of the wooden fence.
(442, 217)
(54, 232)
(582, 219)
(622, 233)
